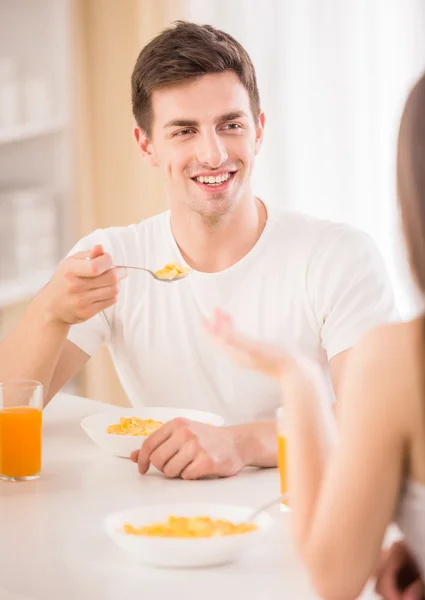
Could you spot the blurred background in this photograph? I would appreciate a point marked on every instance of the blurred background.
(333, 78)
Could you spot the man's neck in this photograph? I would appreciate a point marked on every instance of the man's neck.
(212, 247)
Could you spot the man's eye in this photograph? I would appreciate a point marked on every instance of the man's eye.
(232, 126)
(184, 132)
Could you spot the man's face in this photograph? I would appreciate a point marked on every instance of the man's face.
(204, 140)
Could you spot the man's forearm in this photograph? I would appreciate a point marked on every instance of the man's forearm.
(32, 348)
(257, 443)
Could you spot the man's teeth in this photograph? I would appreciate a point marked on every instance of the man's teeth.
(214, 180)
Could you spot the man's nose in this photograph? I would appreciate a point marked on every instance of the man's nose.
(211, 150)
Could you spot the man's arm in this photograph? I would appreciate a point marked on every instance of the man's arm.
(337, 366)
(191, 450)
(257, 442)
(37, 348)
(71, 360)
(32, 348)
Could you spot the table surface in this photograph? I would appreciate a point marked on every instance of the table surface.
(53, 546)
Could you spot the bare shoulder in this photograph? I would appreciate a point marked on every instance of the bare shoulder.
(401, 342)
(391, 358)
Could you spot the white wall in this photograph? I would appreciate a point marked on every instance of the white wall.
(333, 78)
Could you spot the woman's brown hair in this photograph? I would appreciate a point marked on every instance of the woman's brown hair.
(411, 180)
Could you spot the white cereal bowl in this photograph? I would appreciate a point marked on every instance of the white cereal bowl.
(123, 445)
(185, 552)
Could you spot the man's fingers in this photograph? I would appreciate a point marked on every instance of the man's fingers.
(134, 456)
(168, 449)
(89, 254)
(109, 278)
(102, 294)
(200, 466)
(178, 463)
(79, 267)
(96, 251)
(83, 254)
(103, 304)
(156, 438)
(90, 263)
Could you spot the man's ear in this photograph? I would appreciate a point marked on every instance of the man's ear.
(259, 132)
(145, 147)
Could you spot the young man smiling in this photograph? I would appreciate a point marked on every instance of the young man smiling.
(283, 276)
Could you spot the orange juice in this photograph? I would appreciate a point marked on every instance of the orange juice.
(281, 461)
(20, 441)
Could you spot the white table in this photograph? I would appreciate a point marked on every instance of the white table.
(53, 546)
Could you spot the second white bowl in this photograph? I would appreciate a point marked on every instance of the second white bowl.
(185, 552)
(123, 445)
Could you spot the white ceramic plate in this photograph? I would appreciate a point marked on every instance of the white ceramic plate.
(185, 552)
(123, 445)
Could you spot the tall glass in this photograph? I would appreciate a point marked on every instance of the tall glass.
(21, 404)
(282, 457)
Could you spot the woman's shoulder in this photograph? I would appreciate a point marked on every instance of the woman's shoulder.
(403, 341)
(393, 356)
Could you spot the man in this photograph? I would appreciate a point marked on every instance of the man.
(282, 275)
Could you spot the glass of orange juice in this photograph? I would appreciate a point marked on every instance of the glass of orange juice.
(281, 457)
(21, 404)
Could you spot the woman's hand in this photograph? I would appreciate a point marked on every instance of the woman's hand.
(398, 576)
(267, 358)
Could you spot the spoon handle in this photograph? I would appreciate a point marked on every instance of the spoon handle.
(127, 267)
(131, 267)
(268, 504)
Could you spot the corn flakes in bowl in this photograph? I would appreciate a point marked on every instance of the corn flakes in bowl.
(182, 535)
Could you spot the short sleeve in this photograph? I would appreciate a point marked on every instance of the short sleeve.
(349, 289)
(92, 334)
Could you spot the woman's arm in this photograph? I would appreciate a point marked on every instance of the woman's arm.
(343, 498)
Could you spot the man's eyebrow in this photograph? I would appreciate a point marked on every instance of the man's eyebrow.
(181, 123)
(230, 116)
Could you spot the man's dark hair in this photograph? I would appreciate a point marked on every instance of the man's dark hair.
(183, 52)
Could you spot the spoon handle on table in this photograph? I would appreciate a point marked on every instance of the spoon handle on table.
(267, 505)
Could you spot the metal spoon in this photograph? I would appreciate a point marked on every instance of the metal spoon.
(154, 275)
(265, 506)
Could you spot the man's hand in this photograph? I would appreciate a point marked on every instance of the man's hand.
(398, 577)
(190, 450)
(81, 288)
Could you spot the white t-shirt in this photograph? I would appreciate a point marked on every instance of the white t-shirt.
(307, 283)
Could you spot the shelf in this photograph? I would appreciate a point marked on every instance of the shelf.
(13, 291)
(28, 131)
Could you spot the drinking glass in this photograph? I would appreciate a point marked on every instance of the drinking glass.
(282, 457)
(21, 404)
